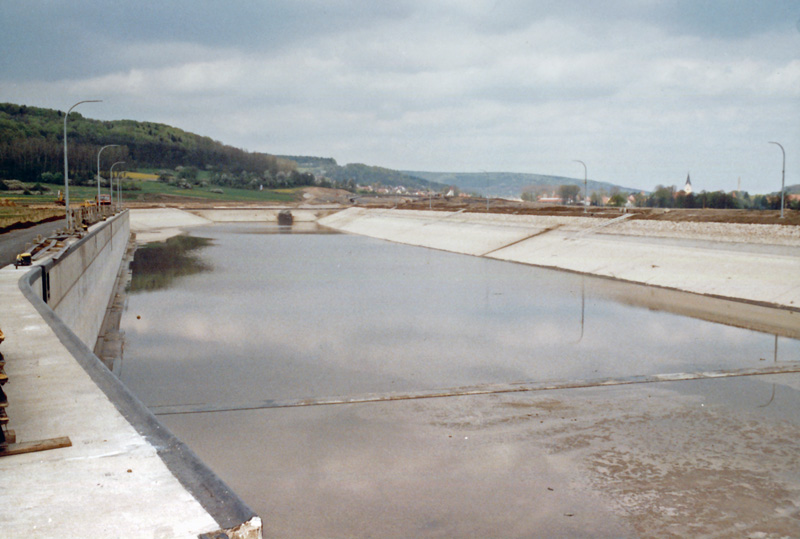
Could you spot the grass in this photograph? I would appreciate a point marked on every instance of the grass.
(11, 215)
(228, 194)
(149, 189)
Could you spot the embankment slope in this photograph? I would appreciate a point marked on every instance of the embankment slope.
(758, 264)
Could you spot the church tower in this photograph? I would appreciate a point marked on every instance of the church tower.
(688, 187)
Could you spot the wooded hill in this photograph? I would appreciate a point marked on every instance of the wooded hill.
(31, 150)
(353, 174)
(31, 143)
(501, 184)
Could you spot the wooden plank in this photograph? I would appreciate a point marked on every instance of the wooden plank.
(31, 447)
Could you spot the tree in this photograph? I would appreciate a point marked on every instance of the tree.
(618, 200)
(662, 197)
(569, 193)
(188, 173)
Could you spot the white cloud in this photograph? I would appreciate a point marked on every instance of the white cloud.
(637, 90)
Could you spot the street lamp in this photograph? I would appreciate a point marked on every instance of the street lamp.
(585, 193)
(488, 184)
(98, 171)
(783, 174)
(111, 181)
(66, 163)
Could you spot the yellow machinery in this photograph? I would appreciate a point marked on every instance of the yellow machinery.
(23, 259)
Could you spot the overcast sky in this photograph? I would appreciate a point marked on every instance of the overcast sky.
(643, 91)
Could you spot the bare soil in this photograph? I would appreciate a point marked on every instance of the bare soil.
(319, 195)
(791, 217)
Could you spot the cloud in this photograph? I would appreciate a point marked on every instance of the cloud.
(641, 90)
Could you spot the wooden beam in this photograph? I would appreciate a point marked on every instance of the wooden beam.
(31, 447)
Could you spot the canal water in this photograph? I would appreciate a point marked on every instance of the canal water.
(238, 314)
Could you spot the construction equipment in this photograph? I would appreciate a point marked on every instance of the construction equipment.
(23, 259)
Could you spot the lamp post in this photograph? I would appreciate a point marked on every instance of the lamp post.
(66, 162)
(783, 173)
(488, 184)
(111, 181)
(98, 171)
(585, 193)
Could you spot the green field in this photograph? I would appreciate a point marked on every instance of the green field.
(228, 194)
(148, 190)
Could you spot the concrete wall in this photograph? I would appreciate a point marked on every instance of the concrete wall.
(82, 276)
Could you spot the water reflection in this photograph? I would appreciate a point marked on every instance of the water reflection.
(775, 360)
(583, 307)
(156, 265)
(298, 227)
(305, 315)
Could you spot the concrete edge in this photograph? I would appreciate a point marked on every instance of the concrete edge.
(734, 299)
(227, 509)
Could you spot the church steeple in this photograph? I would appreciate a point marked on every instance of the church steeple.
(688, 187)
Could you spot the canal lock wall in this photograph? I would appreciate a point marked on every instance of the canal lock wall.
(79, 280)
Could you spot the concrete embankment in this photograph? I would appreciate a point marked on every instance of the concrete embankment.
(159, 224)
(300, 214)
(755, 264)
(120, 472)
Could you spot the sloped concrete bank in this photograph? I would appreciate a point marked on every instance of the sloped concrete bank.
(159, 224)
(123, 474)
(758, 266)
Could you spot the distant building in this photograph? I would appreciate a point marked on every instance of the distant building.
(687, 188)
(550, 199)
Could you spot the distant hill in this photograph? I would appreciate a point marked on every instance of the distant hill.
(512, 184)
(360, 174)
(501, 184)
(31, 143)
(31, 148)
(310, 162)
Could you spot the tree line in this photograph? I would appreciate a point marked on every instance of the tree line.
(670, 197)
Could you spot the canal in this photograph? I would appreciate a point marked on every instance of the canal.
(230, 330)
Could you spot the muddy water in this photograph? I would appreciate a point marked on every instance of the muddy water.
(273, 316)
